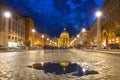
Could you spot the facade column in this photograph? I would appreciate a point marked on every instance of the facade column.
(6, 34)
(33, 39)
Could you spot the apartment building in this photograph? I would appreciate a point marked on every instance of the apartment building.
(12, 30)
(109, 20)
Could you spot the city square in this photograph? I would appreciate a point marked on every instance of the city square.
(59, 39)
(13, 65)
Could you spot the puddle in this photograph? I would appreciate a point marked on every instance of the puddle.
(62, 68)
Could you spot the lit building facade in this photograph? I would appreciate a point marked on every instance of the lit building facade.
(109, 20)
(14, 33)
(93, 34)
(29, 25)
(111, 14)
(45, 40)
(84, 38)
(38, 40)
(64, 39)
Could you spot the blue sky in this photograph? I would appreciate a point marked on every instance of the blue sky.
(51, 16)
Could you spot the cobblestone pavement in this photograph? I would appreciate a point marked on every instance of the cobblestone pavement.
(13, 65)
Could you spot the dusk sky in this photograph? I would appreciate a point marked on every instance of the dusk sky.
(51, 16)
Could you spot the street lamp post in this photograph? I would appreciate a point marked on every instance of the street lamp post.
(47, 41)
(7, 15)
(75, 41)
(98, 14)
(43, 40)
(83, 30)
(78, 38)
(33, 31)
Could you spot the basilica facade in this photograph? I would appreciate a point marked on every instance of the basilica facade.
(64, 39)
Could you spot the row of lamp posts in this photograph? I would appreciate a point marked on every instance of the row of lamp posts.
(98, 38)
(8, 15)
(33, 38)
(83, 35)
(42, 36)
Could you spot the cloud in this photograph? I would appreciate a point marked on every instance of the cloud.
(99, 2)
(51, 16)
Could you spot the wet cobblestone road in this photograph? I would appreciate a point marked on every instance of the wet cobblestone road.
(13, 65)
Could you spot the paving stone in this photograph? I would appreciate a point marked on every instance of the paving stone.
(13, 66)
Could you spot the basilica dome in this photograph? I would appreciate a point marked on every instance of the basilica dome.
(64, 39)
(64, 33)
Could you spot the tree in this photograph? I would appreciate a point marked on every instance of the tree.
(27, 43)
(117, 30)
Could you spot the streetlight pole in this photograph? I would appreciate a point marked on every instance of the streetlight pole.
(83, 30)
(47, 41)
(99, 46)
(75, 41)
(78, 38)
(43, 40)
(7, 15)
(33, 31)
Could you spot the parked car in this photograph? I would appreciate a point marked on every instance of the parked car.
(112, 46)
(2, 47)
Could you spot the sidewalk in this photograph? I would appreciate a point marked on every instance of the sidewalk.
(3, 51)
(111, 51)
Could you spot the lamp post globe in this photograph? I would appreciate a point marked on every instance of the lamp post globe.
(98, 13)
(83, 30)
(33, 30)
(43, 36)
(78, 36)
(7, 14)
(43, 39)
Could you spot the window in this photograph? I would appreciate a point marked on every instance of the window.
(9, 37)
(12, 38)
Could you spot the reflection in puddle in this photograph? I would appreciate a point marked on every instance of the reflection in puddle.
(62, 68)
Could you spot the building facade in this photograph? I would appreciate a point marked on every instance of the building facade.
(82, 39)
(29, 25)
(109, 20)
(64, 39)
(38, 39)
(111, 15)
(45, 40)
(93, 34)
(12, 30)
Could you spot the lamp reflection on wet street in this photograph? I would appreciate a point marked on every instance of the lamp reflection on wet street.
(63, 67)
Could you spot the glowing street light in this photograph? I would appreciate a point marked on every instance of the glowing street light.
(43, 39)
(78, 36)
(75, 39)
(43, 36)
(33, 31)
(98, 15)
(83, 38)
(7, 15)
(78, 41)
(83, 30)
(47, 39)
